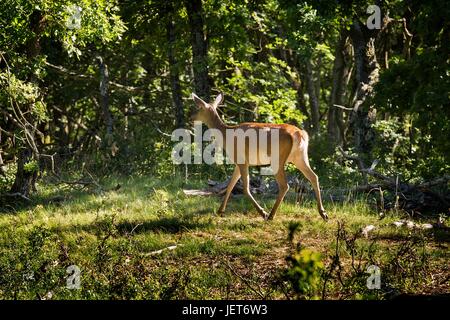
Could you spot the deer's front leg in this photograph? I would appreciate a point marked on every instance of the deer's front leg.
(234, 179)
(246, 183)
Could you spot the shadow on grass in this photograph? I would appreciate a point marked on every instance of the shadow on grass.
(140, 188)
(162, 225)
(442, 235)
(169, 225)
(14, 204)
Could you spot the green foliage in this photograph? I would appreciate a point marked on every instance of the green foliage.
(7, 179)
(31, 166)
(305, 267)
(100, 23)
(28, 264)
(398, 150)
(18, 92)
(256, 81)
(260, 88)
(426, 106)
(334, 170)
(416, 90)
(310, 28)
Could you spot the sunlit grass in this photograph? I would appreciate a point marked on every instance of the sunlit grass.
(149, 215)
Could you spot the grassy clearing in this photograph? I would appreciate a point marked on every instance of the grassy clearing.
(112, 236)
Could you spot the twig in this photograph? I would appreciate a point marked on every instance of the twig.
(262, 296)
(93, 180)
(162, 250)
(159, 130)
(135, 227)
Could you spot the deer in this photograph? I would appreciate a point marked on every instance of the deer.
(292, 148)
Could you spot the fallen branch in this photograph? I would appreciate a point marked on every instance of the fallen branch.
(436, 182)
(18, 194)
(219, 188)
(196, 192)
(412, 198)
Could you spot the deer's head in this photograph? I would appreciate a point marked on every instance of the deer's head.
(206, 112)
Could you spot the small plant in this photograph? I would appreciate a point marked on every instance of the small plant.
(304, 268)
(404, 268)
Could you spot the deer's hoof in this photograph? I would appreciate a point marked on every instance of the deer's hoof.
(265, 215)
(220, 213)
(324, 215)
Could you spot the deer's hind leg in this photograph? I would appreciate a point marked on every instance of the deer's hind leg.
(302, 164)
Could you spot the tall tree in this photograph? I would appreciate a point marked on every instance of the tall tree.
(173, 65)
(26, 174)
(199, 48)
(313, 97)
(104, 98)
(366, 76)
(335, 125)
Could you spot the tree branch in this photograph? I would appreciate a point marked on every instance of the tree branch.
(62, 70)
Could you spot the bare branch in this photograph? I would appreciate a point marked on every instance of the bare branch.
(80, 76)
(342, 107)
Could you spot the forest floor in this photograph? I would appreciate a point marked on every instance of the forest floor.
(114, 238)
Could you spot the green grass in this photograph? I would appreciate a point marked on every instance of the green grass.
(112, 237)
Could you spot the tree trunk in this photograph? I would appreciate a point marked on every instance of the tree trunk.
(366, 76)
(340, 72)
(59, 131)
(199, 48)
(317, 78)
(174, 70)
(104, 99)
(297, 84)
(25, 179)
(2, 170)
(313, 98)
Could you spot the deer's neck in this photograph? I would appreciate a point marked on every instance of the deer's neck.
(214, 122)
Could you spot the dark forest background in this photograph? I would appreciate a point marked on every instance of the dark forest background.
(102, 94)
(91, 90)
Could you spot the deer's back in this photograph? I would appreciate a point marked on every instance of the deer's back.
(256, 143)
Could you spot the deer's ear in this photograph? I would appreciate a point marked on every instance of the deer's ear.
(199, 102)
(219, 100)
